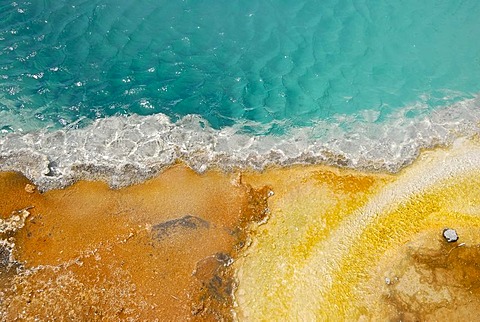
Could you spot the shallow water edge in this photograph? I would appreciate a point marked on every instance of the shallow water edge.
(126, 150)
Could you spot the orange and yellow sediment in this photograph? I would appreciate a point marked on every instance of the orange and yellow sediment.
(342, 245)
(334, 244)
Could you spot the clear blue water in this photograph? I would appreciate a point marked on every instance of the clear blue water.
(283, 63)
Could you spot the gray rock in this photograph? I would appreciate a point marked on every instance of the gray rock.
(450, 235)
(4, 257)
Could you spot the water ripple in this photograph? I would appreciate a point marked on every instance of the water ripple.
(231, 61)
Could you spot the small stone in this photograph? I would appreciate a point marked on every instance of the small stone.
(30, 188)
(4, 256)
(450, 235)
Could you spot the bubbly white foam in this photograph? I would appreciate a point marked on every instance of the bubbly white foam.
(124, 150)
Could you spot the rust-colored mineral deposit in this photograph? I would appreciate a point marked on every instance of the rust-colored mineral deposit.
(161, 250)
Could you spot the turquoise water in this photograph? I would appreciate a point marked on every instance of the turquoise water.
(280, 63)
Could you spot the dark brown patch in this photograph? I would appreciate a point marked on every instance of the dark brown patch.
(189, 222)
